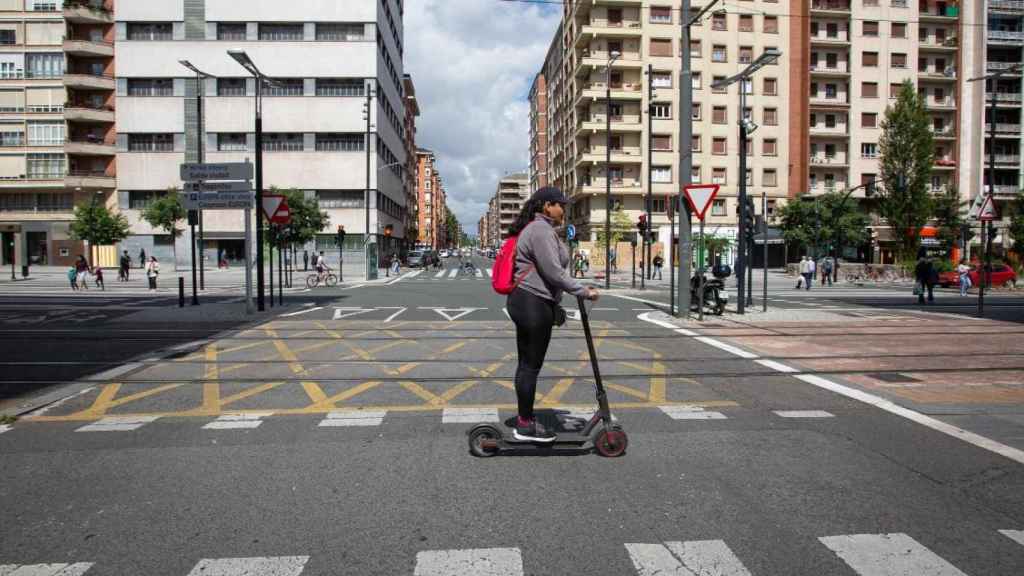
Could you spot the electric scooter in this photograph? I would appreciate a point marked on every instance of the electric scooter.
(607, 437)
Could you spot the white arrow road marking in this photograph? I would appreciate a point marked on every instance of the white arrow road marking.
(572, 313)
(269, 566)
(340, 313)
(479, 273)
(459, 312)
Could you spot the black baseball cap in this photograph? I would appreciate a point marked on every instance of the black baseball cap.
(550, 194)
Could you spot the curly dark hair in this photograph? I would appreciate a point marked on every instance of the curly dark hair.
(526, 215)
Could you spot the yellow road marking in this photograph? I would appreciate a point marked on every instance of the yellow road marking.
(143, 394)
(103, 400)
(249, 392)
(627, 390)
(559, 389)
(658, 383)
(330, 403)
(452, 392)
(315, 393)
(418, 390)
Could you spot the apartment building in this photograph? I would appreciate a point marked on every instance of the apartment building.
(645, 35)
(431, 198)
(57, 133)
(412, 111)
(512, 192)
(538, 133)
(327, 61)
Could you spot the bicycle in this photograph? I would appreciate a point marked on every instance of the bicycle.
(316, 279)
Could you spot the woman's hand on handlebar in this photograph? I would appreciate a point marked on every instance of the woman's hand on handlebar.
(592, 294)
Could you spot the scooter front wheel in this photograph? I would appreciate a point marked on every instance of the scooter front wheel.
(483, 441)
(611, 443)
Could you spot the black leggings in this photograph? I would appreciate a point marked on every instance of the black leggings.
(534, 318)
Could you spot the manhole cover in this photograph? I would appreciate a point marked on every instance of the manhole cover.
(893, 377)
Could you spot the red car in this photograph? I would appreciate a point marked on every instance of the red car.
(1002, 275)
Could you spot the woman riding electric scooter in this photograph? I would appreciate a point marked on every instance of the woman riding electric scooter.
(540, 270)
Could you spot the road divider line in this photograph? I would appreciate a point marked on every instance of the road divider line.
(237, 421)
(395, 315)
(118, 424)
(469, 415)
(1015, 535)
(803, 414)
(345, 418)
(690, 413)
(777, 366)
(693, 557)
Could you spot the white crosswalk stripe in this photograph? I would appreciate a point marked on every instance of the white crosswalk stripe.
(354, 418)
(894, 554)
(260, 566)
(239, 421)
(469, 415)
(804, 414)
(698, 558)
(440, 274)
(470, 562)
(45, 569)
(690, 413)
(454, 273)
(117, 424)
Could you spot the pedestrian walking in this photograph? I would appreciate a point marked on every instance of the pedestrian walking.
(305, 260)
(577, 265)
(925, 277)
(658, 263)
(396, 265)
(812, 269)
(802, 271)
(124, 266)
(82, 270)
(152, 271)
(964, 273)
(614, 260)
(97, 273)
(73, 277)
(540, 262)
(826, 271)
(142, 258)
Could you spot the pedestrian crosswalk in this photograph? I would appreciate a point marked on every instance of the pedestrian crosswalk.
(887, 554)
(445, 274)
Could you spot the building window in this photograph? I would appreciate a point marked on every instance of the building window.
(45, 133)
(746, 23)
(898, 30)
(769, 147)
(869, 59)
(870, 29)
(44, 166)
(337, 32)
(44, 6)
(770, 87)
(661, 174)
(868, 119)
(894, 90)
(748, 147)
(830, 120)
(721, 89)
(141, 199)
(718, 146)
(695, 143)
(231, 31)
(151, 142)
(772, 49)
(695, 49)
(661, 47)
(284, 87)
(696, 81)
(696, 111)
(719, 115)
(661, 15)
(281, 32)
(868, 150)
(771, 25)
(869, 89)
(232, 142)
(719, 53)
(8, 37)
(11, 138)
(771, 117)
(769, 177)
(661, 142)
(831, 91)
(661, 110)
(662, 79)
(150, 31)
(340, 87)
(750, 180)
(48, 65)
(695, 175)
(746, 54)
(718, 21)
(150, 87)
(718, 206)
(341, 199)
(230, 86)
(282, 142)
(899, 60)
(350, 142)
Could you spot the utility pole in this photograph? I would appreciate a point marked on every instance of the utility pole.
(685, 113)
(612, 56)
(200, 84)
(741, 245)
(645, 254)
(369, 128)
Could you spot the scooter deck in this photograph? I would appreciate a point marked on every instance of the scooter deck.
(568, 431)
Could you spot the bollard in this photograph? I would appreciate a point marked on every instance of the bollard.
(181, 291)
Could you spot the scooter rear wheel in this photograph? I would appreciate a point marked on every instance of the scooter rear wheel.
(611, 443)
(483, 442)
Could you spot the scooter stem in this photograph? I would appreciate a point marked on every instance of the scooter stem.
(602, 398)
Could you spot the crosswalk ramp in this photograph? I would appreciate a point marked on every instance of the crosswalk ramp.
(890, 554)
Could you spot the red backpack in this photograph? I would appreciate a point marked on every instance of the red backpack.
(504, 281)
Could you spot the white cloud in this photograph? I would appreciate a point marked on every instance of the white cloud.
(472, 62)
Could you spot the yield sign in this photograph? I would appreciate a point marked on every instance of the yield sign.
(700, 196)
(987, 213)
(275, 208)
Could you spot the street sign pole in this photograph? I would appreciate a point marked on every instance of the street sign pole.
(248, 261)
(764, 238)
(193, 218)
(700, 271)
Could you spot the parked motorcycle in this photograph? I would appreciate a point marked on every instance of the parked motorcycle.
(715, 296)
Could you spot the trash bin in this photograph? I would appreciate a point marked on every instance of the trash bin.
(24, 271)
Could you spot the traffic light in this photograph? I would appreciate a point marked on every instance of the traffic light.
(641, 225)
(341, 235)
(749, 218)
(388, 230)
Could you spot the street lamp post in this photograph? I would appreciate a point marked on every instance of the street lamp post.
(200, 86)
(746, 126)
(612, 57)
(243, 59)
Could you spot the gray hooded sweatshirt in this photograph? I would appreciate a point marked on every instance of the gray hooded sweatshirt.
(538, 246)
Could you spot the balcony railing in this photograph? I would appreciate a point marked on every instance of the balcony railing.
(995, 65)
(1004, 127)
(1010, 5)
(840, 5)
(825, 160)
(1006, 35)
(1007, 159)
(1004, 96)
(1006, 190)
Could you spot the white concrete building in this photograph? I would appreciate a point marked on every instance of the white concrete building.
(324, 56)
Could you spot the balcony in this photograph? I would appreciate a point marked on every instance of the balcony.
(819, 71)
(90, 147)
(1006, 36)
(948, 45)
(624, 91)
(35, 180)
(825, 40)
(89, 179)
(946, 134)
(995, 66)
(621, 28)
(1006, 191)
(83, 113)
(82, 12)
(619, 185)
(88, 48)
(1005, 159)
(626, 123)
(1006, 6)
(831, 133)
(821, 103)
(932, 75)
(934, 14)
(1005, 128)
(944, 104)
(830, 162)
(1011, 98)
(947, 163)
(85, 81)
(831, 7)
(599, 59)
(596, 154)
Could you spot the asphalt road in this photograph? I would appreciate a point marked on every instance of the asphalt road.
(329, 438)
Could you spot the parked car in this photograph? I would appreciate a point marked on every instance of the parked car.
(1002, 275)
(416, 259)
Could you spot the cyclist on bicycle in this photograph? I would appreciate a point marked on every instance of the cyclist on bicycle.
(321, 268)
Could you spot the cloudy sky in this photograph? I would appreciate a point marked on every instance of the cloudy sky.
(472, 62)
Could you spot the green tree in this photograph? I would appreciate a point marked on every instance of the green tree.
(165, 211)
(907, 151)
(620, 229)
(830, 221)
(949, 216)
(98, 226)
(1016, 227)
(307, 220)
(452, 226)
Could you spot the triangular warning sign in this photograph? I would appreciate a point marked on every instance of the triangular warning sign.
(976, 205)
(988, 210)
(699, 197)
(271, 204)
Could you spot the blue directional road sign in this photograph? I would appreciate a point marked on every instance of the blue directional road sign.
(570, 232)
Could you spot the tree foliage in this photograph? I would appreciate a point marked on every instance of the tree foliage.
(451, 223)
(165, 211)
(949, 216)
(1016, 228)
(907, 150)
(621, 228)
(832, 220)
(97, 225)
(307, 220)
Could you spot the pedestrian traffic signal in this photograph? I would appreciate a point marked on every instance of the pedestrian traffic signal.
(641, 225)
(341, 235)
